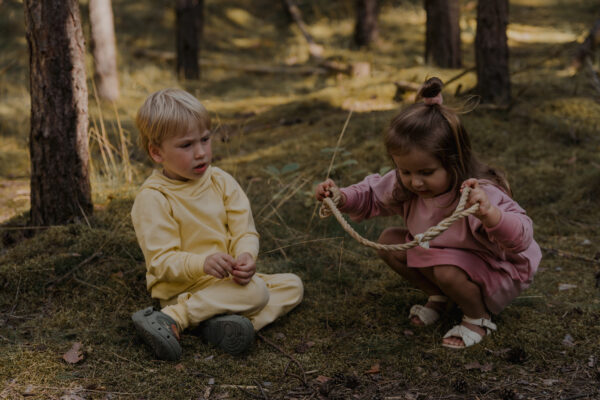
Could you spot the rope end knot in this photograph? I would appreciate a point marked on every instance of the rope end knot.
(336, 195)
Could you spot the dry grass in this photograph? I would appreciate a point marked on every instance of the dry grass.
(350, 337)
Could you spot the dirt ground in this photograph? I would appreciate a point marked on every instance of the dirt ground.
(67, 293)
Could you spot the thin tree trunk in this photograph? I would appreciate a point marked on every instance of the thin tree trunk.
(491, 52)
(442, 38)
(366, 30)
(58, 142)
(103, 49)
(186, 21)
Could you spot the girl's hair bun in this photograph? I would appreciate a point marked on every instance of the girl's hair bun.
(431, 88)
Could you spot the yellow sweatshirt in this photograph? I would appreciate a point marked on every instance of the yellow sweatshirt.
(178, 224)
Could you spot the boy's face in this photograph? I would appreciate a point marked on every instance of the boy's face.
(185, 157)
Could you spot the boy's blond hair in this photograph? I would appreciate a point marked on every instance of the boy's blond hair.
(167, 113)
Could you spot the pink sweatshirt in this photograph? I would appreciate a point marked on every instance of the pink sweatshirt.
(501, 260)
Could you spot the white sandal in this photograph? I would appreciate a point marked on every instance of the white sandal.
(427, 315)
(468, 336)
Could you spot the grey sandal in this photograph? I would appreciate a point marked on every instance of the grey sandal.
(159, 331)
(233, 334)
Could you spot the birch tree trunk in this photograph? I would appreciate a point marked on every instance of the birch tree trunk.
(104, 49)
(491, 52)
(442, 37)
(58, 142)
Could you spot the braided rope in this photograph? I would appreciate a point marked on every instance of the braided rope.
(329, 207)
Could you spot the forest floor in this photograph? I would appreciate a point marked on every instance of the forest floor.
(67, 293)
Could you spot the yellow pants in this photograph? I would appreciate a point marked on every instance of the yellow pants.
(265, 298)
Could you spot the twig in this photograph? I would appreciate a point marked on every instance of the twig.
(286, 198)
(270, 343)
(131, 362)
(16, 301)
(24, 228)
(455, 77)
(315, 50)
(262, 391)
(566, 254)
(579, 396)
(337, 146)
(249, 393)
(299, 243)
(74, 269)
(107, 290)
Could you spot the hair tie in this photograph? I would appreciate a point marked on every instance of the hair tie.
(434, 100)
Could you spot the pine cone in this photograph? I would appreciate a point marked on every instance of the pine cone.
(460, 385)
(516, 355)
(508, 394)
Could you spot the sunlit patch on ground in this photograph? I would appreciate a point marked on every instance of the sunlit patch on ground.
(14, 198)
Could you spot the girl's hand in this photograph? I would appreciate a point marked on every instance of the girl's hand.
(244, 269)
(488, 213)
(219, 265)
(323, 191)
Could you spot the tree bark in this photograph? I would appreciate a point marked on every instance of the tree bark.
(491, 52)
(188, 13)
(103, 49)
(442, 37)
(58, 141)
(366, 30)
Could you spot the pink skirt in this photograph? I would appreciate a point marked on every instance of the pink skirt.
(500, 281)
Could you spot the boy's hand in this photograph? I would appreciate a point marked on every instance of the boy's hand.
(488, 213)
(323, 191)
(244, 269)
(219, 265)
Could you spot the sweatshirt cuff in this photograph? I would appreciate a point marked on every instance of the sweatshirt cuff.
(247, 245)
(508, 228)
(195, 265)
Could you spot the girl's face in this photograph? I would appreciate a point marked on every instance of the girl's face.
(184, 157)
(422, 173)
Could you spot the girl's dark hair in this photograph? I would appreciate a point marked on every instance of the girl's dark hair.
(436, 129)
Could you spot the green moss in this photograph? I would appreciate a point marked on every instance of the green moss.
(80, 283)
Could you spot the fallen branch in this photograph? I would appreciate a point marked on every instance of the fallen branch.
(74, 269)
(315, 50)
(270, 343)
(566, 254)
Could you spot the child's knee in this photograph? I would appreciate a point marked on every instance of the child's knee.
(257, 293)
(295, 285)
(392, 236)
(448, 275)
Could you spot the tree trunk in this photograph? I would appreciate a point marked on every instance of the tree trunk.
(491, 52)
(442, 38)
(58, 141)
(188, 13)
(103, 49)
(366, 30)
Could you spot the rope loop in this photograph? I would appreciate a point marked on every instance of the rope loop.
(329, 207)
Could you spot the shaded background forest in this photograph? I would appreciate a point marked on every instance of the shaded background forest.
(276, 133)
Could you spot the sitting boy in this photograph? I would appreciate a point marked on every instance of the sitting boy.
(195, 227)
